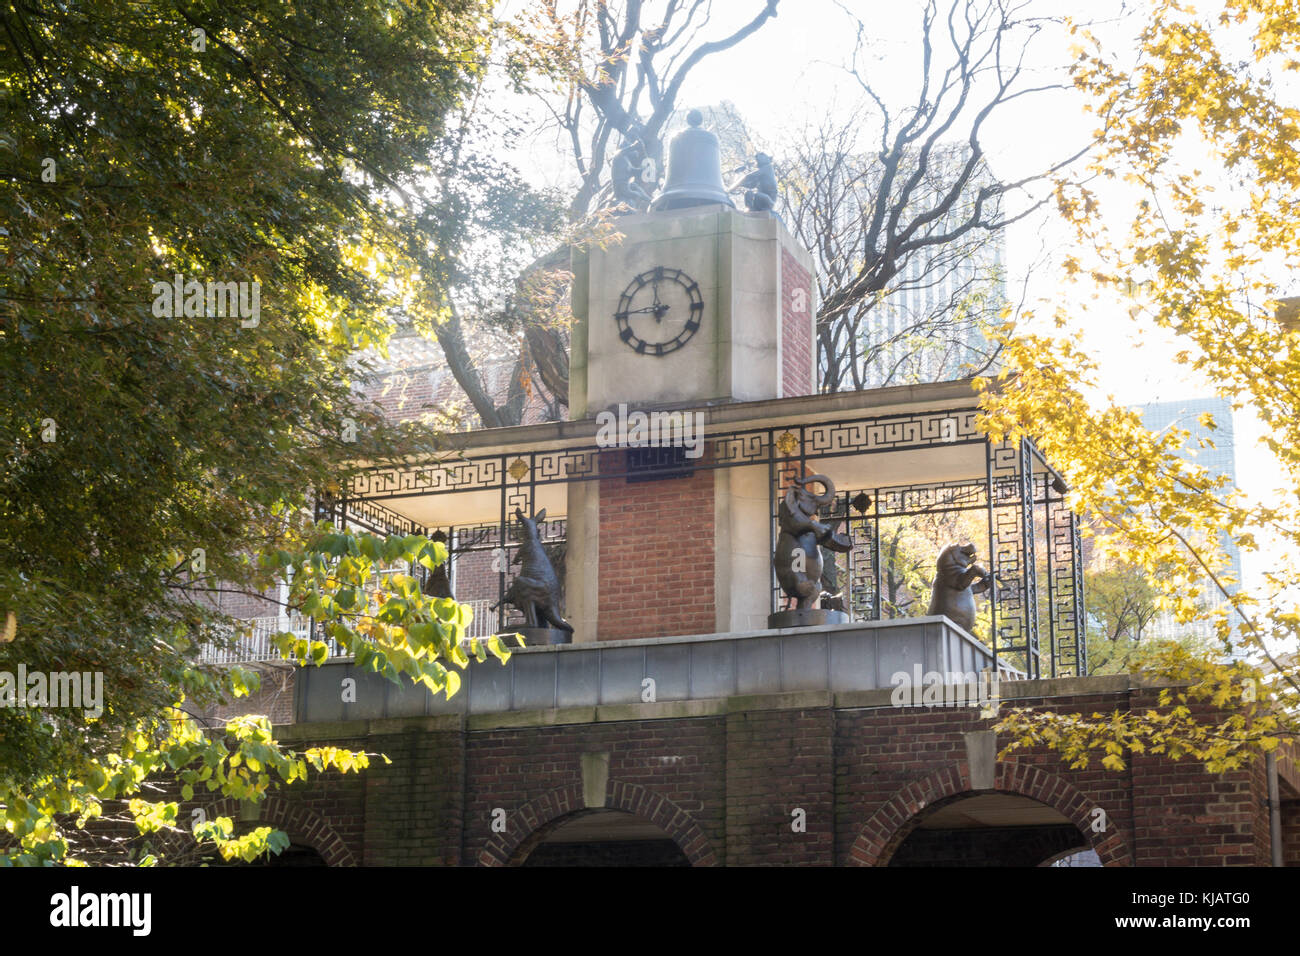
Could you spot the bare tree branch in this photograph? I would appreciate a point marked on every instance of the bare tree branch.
(905, 221)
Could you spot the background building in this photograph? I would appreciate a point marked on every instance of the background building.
(1220, 459)
(927, 327)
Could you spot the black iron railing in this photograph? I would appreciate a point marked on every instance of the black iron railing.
(1030, 534)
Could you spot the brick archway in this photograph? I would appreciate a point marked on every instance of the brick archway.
(303, 826)
(529, 825)
(892, 823)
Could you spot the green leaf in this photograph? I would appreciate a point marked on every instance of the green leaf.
(421, 635)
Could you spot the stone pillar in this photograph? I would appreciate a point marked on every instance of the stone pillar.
(780, 780)
(742, 574)
(755, 341)
(755, 338)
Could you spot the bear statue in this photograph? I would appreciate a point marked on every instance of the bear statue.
(957, 579)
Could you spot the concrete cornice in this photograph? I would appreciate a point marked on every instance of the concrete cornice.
(1009, 692)
(730, 416)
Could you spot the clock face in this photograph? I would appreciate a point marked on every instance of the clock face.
(659, 311)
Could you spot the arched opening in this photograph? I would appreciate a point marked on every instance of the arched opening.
(295, 854)
(989, 829)
(605, 838)
(1074, 858)
(313, 839)
(1023, 799)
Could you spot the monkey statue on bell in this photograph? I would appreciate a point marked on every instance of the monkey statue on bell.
(759, 185)
(626, 169)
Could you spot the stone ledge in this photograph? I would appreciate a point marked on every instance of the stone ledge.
(323, 730)
(550, 717)
(857, 699)
(1065, 686)
(1008, 690)
(880, 698)
(905, 623)
(554, 717)
(661, 710)
(763, 665)
(793, 700)
(401, 725)
(605, 713)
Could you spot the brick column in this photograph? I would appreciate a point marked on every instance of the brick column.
(779, 761)
(414, 807)
(798, 344)
(656, 575)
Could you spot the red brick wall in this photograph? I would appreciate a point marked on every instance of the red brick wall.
(782, 761)
(881, 752)
(415, 806)
(274, 700)
(1172, 799)
(652, 583)
(241, 605)
(797, 356)
(244, 606)
(1291, 832)
(475, 580)
(676, 761)
(417, 385)
(328, 812)
(724, 787)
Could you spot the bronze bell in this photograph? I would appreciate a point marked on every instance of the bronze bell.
(694, 170)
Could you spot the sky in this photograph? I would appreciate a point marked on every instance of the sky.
(792, 71)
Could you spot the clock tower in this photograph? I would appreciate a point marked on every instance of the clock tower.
(701, 304)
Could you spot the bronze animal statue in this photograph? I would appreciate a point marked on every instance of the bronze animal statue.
(957, 579)
(759, 185)
(625, 170)
(437, 583)
(535, 590)
(798, 557)
(832, 594)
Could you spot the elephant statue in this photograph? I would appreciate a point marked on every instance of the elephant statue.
(798, 558)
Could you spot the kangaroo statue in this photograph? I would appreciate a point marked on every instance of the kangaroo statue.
(535, 590)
